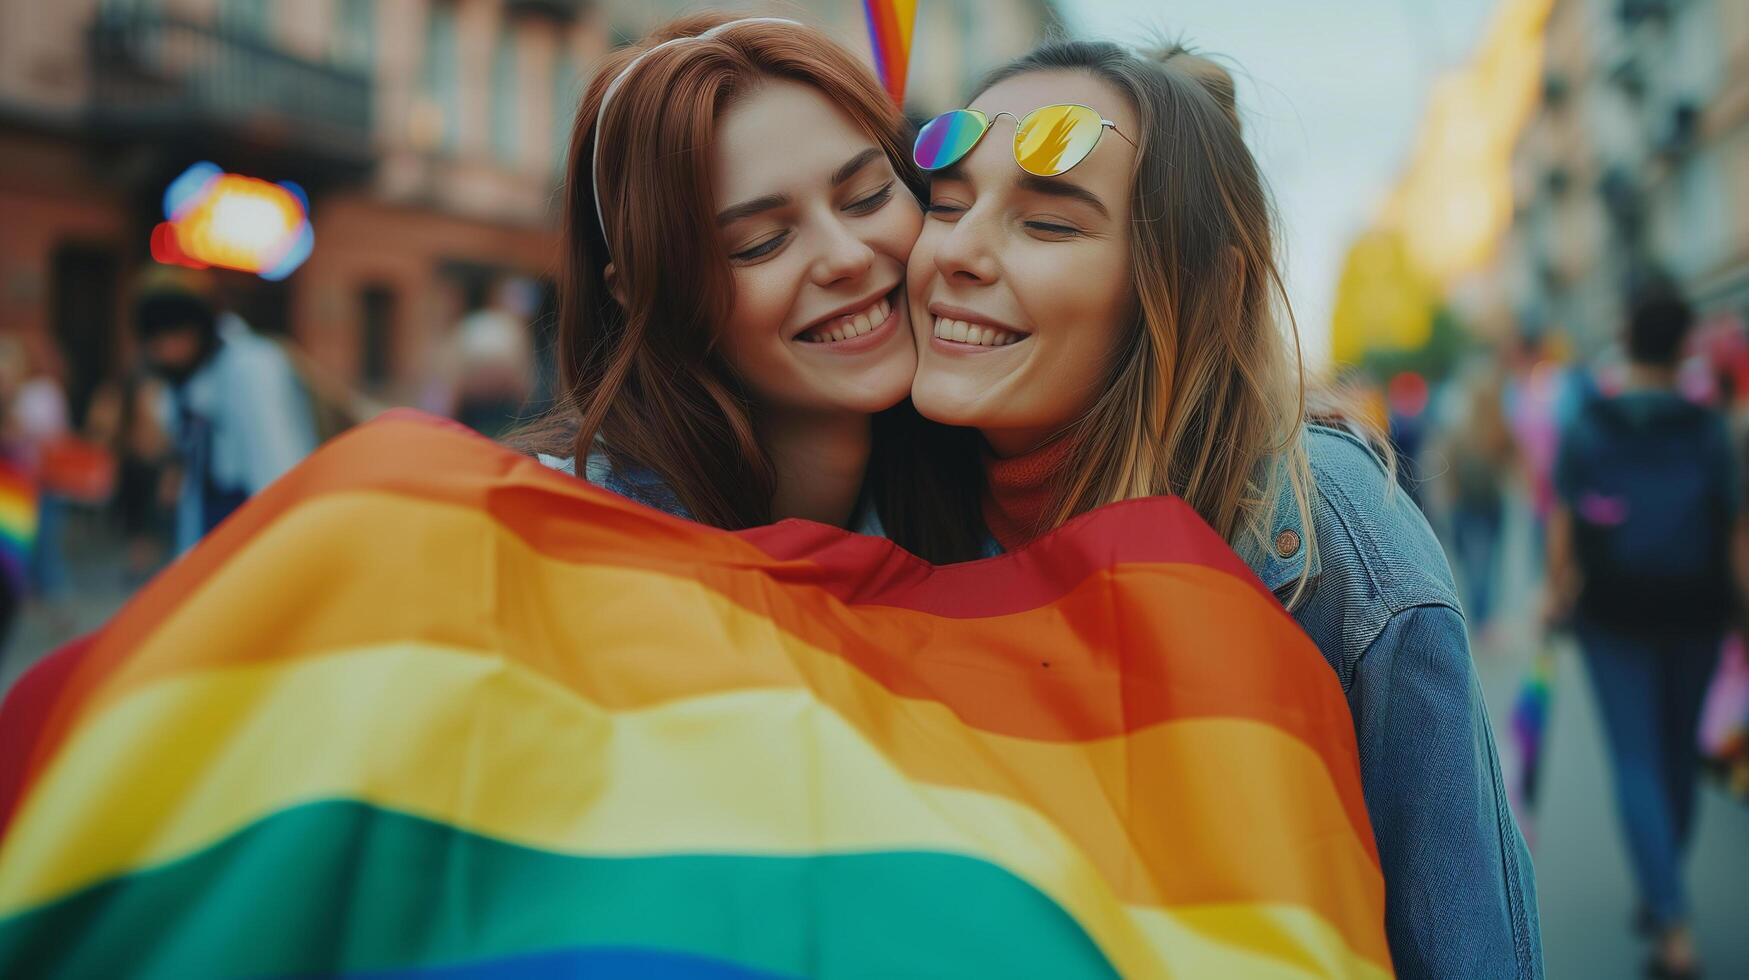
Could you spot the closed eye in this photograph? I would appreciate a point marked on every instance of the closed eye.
(760, 250)
(1052, 228)
(871, 203)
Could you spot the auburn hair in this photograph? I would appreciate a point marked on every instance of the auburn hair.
(640, 374)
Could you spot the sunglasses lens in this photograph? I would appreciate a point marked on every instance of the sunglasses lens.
(943, 140)
(1053, 139)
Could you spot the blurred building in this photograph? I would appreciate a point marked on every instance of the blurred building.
(427, 135)
(1637, 159)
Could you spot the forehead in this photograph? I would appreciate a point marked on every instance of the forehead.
(1028, 91)
(778, 138)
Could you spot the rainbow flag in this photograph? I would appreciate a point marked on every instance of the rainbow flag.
(426, 708)
(890, 24)
(18, 515)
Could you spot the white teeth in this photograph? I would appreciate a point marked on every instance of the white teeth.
(852, 325)
(970, 333)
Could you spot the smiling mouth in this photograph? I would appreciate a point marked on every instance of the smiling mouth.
(851, 326)
(975, 334)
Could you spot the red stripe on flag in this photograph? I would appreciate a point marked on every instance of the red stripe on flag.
(24, 720)
(394, 455)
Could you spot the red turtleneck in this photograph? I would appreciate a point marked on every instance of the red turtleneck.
(1019, 490)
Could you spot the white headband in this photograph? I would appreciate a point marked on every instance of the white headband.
(613, 86)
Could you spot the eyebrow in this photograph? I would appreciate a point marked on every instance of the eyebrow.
(747, 209)
(1049, 186)
(856, 163)
(759, 205)
(1062, 188)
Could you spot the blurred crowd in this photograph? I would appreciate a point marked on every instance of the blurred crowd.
(1627, 473)
(210, 412)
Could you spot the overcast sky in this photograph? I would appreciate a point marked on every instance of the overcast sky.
(1330, 92)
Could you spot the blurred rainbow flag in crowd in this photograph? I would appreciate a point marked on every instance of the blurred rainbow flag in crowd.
(18, 516)
(425, 708)
(1724, 719)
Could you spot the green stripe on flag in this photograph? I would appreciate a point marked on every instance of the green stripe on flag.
(341, 886)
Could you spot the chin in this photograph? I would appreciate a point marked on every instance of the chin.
(949, 408)
(869, 393)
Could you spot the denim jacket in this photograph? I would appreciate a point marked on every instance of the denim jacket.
(649, 489)
(1460, 896)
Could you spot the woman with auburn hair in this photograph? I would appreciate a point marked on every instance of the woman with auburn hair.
(1095, 292)
(738, 212)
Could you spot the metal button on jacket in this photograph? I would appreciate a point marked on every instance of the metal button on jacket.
(1287, 543)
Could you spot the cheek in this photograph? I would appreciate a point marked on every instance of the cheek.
(921, 266)
(1091, 295)
(894, 230)
(763, 296)
(1111, 302)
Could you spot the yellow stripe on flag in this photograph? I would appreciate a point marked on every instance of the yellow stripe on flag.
(478, 743)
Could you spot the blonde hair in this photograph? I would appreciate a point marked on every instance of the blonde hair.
(1206, 394)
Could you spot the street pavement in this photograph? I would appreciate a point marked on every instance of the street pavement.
(1583, 884)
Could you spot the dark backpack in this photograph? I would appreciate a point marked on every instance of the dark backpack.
(1646, 478)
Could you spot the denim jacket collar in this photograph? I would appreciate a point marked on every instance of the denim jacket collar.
(1279, 557)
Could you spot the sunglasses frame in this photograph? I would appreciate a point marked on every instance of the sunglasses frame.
(1020, 128)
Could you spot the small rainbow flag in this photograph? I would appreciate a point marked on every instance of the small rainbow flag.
(425, 708)
(890, 23)
(18, 516)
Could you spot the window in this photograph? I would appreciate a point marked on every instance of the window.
(121, 9)
(376, 335)
(567, 96)
(246, 18)
(354, 43)
(504, 101)
(442, 86)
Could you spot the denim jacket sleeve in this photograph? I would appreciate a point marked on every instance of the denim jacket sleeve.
(1460, 897)
(1460, 894)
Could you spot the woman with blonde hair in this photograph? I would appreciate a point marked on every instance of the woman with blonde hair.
(1095, 294)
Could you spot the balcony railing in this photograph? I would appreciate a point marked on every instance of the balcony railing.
(153, 72)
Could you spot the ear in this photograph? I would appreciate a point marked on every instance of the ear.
(610, 275)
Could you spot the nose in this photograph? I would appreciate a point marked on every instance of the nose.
(843, 257)
(965, 254)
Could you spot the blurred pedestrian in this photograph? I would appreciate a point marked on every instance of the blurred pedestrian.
(39, 430)
(1539, 396)
(132, 417)
(492, 361)
(239, 414)
(1478, 450)
(1639, 556)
